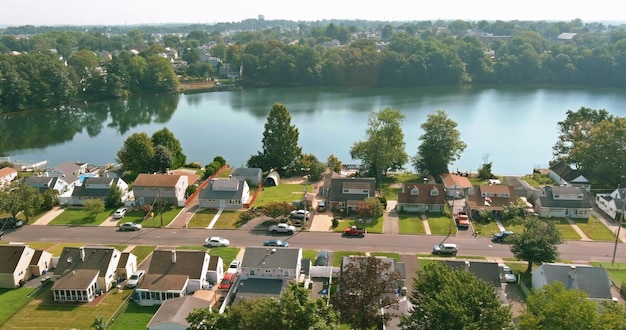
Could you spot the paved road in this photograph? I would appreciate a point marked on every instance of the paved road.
(578, 251)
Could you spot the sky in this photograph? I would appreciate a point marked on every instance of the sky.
(131, 12)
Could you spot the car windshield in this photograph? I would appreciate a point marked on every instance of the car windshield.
(134, 277)
(225, 281)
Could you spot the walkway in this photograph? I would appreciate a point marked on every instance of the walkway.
(217, 216)
(583, 236)
(426, 224)
(47, 217)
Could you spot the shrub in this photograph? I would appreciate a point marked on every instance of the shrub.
(220, 160)
(335, 222)
(194, 165)
(247, 215)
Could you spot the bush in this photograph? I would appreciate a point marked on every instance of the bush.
(194, 165)
(247, 215)
(335, 222)
(220, 160)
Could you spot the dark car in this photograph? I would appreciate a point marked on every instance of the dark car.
(502, 236)
(322, 258)
(11, 222)
(276, 242)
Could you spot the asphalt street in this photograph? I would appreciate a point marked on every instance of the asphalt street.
(577, 251)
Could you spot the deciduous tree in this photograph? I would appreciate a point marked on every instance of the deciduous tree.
(94, 206)
(334, 164)
(445, 299)
(366, 285)
(166, 138)
(137, 153)
(575, 129)
(276, 210)
(440, 145)
(537, 243)
(370, 207)
(114, 197)
(19, 197)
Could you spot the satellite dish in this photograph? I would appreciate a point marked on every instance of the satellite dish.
(69, 259)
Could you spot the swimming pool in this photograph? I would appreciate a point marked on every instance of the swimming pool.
(86, 175)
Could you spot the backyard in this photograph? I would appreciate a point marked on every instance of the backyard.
(281, 193)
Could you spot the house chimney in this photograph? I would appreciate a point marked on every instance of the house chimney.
(403, 186)
(230, 177)
(425, 180)
(572, 272)
(173, 256)
(167, 171)
(82, 254)
(467, 265)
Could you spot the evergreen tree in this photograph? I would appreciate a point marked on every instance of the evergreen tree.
(280, 141)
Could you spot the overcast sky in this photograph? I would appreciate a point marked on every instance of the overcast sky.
(120, 12)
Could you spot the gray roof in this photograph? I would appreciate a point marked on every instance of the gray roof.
(96, 258)
(567, 173)
(79, 279)
(68, 169)
(486, 271)
(164, 274)
(10, 256)
(272, 258)
(247, 171)
(549, 201)
(175, 310)
(338, 184)
(85, 191)
(257, 288)
(223, 189)
(592, 280)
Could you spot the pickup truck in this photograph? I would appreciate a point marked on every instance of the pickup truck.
(462, 220)
(354, 231)
(283, 228)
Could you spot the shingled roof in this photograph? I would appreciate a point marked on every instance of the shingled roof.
(156, 180)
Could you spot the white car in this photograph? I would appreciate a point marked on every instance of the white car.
(135, 279)
(120, 213)
(235, 267)
(300, 214)
(130, 226)
(216, 241)
(507, 274)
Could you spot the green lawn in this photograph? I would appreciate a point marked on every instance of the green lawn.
(374, 226)
(202, 218)
(43, 313)
(392, 255)
(594, 229)
(227, 220)
(133, 317)
(228, 254)
(486, 228)
(309, 254)
(392, 193)
(410, 223)
(338, 255)
(282, 192)
(11, 301)
(81, 216)
(567, 230)
(441, 225)
(142, 252)
(159, 220)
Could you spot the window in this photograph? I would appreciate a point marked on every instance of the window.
(252, 272)
(415, 192)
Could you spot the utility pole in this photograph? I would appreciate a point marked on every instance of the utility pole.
(619, 227)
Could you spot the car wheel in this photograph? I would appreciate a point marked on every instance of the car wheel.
(274, 231)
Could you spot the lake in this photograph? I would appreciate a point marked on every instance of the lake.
(512, 127)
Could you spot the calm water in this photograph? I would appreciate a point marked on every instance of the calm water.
(513, 127)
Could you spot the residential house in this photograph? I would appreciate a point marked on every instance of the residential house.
(392, 266)
(126, 266)
(225, 194)
(82, 273)
(95, 188)
(172, 314)
(484, 270)
(45, 183)
(594, 281)
(421, 197)
(347, 192)
(169, 189)
(562, 202)
(253, 175)
(613, 203)
(265, 272)
(564, 175)
(7, 174)
(492, 198)
(456, 186)
(172, 274)
(14, 265)
(192, 178)
(215, 272)
(40, 263)
(521, 187)
(69, 171)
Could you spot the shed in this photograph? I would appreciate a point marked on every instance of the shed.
(272, 179)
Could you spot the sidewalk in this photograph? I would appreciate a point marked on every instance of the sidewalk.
(48, 216)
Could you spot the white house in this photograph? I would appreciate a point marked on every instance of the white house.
(14, 264)
(613, 203)
(225, 194)
(592, 280)
(215, 271)
(456, 186)
(95, 188)
(69, 171)
(562, 202)
(564, 175)
(7, 174)
(271, 263)
(167, 188)
(45, 183)
(173, 274)
(126, 266)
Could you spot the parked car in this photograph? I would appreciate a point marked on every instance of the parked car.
(234, 267)
(300, 214)
(354, 231)
(462, 220)
(276, 242)
(227, 281)
(445, 248)
(216, 241)
(321, 206)
(135, 279)
(507, 274)
(11, 222)
(502, 236)
(322, 258)
(120, 213)
(130, 226)
(282, 228)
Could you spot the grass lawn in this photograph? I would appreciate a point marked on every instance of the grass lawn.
(392, 193)
(309, 254)
(58, 248)
(567, 230)
(374, 226)
(410, 224)
(133, 317)
(44, 313)
(281, 193)
(202, 218)
(225, 173)
(142, 252)
(512, 226)
(617, 271)
(486, 228)
(594, 229)
(159, 220)
(392, 255)
(228, 254)
(338, 255)
(227, 220)
(80, 216)
(11, 301)
(441, 225)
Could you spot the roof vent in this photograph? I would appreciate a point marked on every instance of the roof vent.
(273, 250)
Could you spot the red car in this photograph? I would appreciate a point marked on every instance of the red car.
(227, 281)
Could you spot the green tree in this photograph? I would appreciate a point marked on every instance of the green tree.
(575, 129)
(114, 197)
(384, 148)
(445, 299)
(441, 145)
(334, 164)
(276, 209)
(280, 140)
(370, 207)
(94, 206)
(137, 153)
(537, 243)
(362, 292)
(99, 323)
(163, 159)
(19, 197)
(555, 307)
(160, 75)
(50, 198)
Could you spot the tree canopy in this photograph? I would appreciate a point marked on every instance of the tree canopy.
(166, 138)
(444, 299)
(142, 154)
(537, 243)
(440, 145)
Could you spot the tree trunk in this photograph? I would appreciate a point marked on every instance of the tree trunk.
(529, 268)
